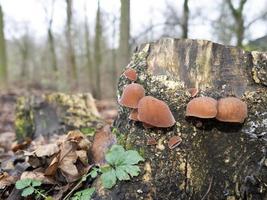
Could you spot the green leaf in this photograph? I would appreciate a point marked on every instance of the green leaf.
(27, 191)
(23, 183)
(132, 157)
(94, 172)
(36, 183)
(109, 179)
(131, 169)
(84, 194)
(121, 174)
(115, 155)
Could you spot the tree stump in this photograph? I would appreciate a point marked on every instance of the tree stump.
(55, 113)
(215, 161)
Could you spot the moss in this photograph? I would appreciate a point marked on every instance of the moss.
(24, 125)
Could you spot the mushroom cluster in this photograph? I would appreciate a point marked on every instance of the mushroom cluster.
(149, 110)
(229, 109)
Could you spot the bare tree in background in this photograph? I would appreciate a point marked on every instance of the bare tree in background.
(124, 46)
(24, 46)
(185, 19)
(114, 54)
(3, 56)
(238, 16)
(71, 59)
(97, 53)
(232, 22)
(50, 35)
(174, 19)
(88, 55)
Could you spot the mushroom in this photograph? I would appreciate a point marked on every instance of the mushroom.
(131, 95)
(146, 125)
(133, 115)
(231, 109)
(155, 112)
(130, 74)
(202, 107)
(174, 141)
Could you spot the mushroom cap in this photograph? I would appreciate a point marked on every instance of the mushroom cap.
(133, 115)
(202, 107)
(130, 74)
(131, 95)
(155, 112)
(231, 109)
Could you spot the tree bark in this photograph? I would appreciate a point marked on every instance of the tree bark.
(124, 47)
(215, 160)
(3, 55)
(71, 59)
(98, 55)
(185, 19)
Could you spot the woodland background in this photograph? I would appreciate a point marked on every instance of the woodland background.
(83, 45)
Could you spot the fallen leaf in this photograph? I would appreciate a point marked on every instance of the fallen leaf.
(6, 180)
(82, 155)
(46, 150)
(79, 138)
(67, 159)
(52, 168)
(40, 176)
(103, 140)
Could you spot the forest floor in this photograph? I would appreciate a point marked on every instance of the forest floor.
(8, 145)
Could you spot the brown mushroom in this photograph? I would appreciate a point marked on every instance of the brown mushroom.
(174, 141)
(146, 125)
(133, 115)
(131, 95)
(155, 112)
(130, 74)
(202, 107)
(231, 109)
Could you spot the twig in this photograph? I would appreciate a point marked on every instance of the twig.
(208, 189)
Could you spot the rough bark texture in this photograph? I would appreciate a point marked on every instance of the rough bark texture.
(55, 113)
(216, 161)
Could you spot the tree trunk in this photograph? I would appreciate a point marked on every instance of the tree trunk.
(3, 55)
(88, 53)
(71, 59)
(237, 14)
(98, 56)
(124, 46)
(55, 113)
(52, 50)
(215, 160)
(185, 20)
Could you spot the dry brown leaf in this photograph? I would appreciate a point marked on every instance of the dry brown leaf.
(82, 155)
(40, 176)
(6, 180)
(67, 159)
(52, 168)
(103, 140)
(47, 150)
(79, 138)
